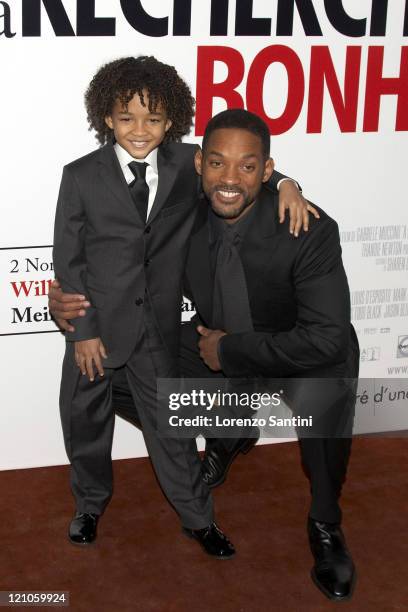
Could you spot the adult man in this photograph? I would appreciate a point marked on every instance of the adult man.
(274, 307)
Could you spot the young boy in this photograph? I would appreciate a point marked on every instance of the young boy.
(123, 219)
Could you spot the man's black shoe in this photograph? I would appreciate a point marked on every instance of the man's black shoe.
(333, 573)
(218, 459)
(214, 542)
(82, 529)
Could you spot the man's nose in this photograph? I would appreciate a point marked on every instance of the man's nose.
(230, 175)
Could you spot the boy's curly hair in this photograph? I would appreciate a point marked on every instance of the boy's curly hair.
(123, 78)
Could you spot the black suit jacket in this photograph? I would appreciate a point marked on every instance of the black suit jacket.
(298, 295)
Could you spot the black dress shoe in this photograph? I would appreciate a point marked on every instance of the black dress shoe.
(218, 459)
(82, 529)
(333, 573)
(214, 542)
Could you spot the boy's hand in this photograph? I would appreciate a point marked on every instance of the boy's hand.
(299, 208)
(65, 306)
(88, 354)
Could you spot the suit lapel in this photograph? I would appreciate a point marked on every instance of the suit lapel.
(266, 217)
(263, 227)
(167, 171)
(110, 173)
(198, 265)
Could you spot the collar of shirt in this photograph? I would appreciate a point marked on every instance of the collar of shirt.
(218, 226)
(125, 158)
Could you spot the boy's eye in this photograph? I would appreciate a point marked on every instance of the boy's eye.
(152, 120)
(125, 119)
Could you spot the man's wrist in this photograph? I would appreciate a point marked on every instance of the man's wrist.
(279, 183)
(219, 349)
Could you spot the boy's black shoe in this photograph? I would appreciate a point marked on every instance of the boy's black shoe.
(333, 573)
(82, 529)
(218, 460)
(214, 542)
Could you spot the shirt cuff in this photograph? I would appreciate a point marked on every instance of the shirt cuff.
(279, 183)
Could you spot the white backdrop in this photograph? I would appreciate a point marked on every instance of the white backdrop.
(357, 176)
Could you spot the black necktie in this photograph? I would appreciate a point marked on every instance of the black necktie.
(139, 189)
(231, 310)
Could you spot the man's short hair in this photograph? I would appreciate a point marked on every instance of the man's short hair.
(241, 119)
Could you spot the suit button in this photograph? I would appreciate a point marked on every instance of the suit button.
(147, 262)
(148, 229)
(139, 302)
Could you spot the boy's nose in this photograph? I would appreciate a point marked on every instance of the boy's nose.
(139, 129)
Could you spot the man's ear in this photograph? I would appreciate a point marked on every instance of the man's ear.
(109, 122)
(268, 169)
(198, 161)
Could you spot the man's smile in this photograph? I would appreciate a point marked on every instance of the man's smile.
(227, 195)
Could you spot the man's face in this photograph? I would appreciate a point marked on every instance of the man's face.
(136, 129)
(233, 169)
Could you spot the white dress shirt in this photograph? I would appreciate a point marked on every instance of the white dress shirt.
(152, 175)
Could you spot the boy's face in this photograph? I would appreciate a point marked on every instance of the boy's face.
(233, 169)
(136, 129)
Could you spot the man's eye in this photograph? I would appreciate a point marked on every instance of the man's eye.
(215, 164)
(248, 168)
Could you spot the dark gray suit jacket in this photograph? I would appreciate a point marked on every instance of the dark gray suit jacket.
(104, 250)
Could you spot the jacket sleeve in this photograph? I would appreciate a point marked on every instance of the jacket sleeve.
(321, 334)
(276, 177)
(69, 252)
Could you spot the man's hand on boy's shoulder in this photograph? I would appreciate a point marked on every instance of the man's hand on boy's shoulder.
(66, 306)
(290, 198)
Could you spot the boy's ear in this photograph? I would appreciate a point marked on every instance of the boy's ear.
(168, 125)
(198, 161)
(109, 122)
(268, 169)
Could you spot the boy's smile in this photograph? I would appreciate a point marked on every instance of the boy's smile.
(136, 129)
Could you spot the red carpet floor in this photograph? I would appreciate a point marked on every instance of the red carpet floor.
(141, 562)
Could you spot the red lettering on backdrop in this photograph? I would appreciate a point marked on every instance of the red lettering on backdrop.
(322, 71)
(207, 89)
(22, 287)
(296, 86)
(35, 288)
(377, 86)
(344, 98)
